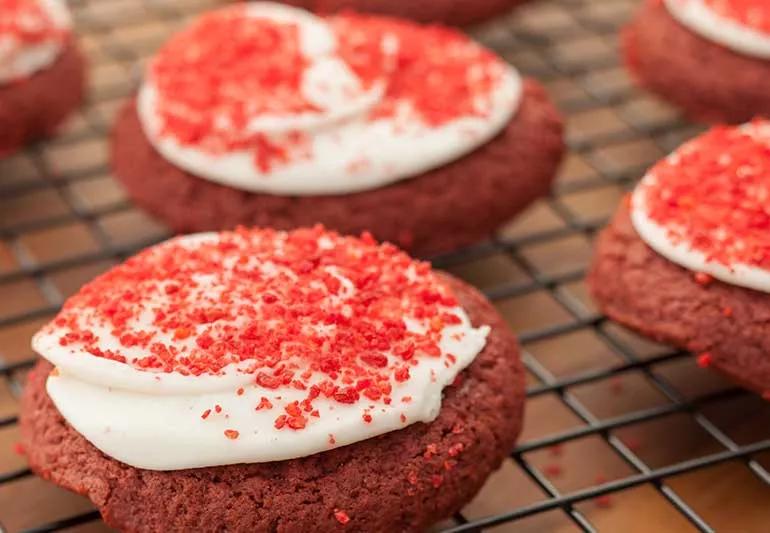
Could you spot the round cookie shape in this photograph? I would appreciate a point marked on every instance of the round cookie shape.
(404, 480)
(705, 206)
(452, 12)
(269, 99)
(434, 136)
(684, 261)
(711, 59)
(33, 34)
(42, 73)
(740, 25)
(259, 345)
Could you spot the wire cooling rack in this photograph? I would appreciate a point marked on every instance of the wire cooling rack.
(621, 434)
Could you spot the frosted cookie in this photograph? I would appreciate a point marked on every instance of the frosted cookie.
(711, 58)
(261, 114)
(41, 70)
(687, 259)
(266, 381)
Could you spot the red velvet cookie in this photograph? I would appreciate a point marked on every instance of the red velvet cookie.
(684, 261)
(701, 72)
(42, 80)
(402, 480)
(452, 12)
(442, 202)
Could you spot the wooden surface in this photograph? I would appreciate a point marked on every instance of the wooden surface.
(62, 216)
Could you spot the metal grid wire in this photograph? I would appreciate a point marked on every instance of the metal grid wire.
(62, 220)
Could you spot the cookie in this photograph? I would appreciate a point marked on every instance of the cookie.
(696, 64)
(715, 308)
(401, 480)
(452, 201)
(452, 12)
(43, 79)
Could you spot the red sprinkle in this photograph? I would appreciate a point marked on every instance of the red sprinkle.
(604, 501)
(206, 414)
(264, 403)
(341, 516)
(27, 22)
(752, 13)
(231, 434)
(704, 360)
(228, 68)
(284, 340)
(713, 193)
(18, 448)
(703, 279)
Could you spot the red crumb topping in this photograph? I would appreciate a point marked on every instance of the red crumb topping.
(713, 194)
(228, 68)
(308, 309)
(703, 279)
(341, 516)
(231, 434)
(27, 22)
(439, 71)
(752, 13)
(704, 360)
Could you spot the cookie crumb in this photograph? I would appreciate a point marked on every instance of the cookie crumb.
(341, 516)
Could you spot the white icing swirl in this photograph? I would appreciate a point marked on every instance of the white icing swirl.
(348, 151)
(680, 251)
(700, 18)
(19, 60)
(658, 238)
(153, 420)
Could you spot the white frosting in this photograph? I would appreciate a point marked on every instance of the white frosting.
(348, 151)
(681, 253)
(700, 18)
(20, 60)
(153, 420)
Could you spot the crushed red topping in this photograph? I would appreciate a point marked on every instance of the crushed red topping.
(713, 194)
(439, 71)
(27, 22)
(230, 67)
(308, 309)
(341, 516)
(752, 13)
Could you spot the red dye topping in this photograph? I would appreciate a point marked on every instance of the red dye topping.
(604, 501)
(553, 470)
(704, 360)
(714, 195)
(341, 516)
(703, 279)
(228, 68)
(438, 70)
(752, 13)
(309, 309)
(27, 22)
